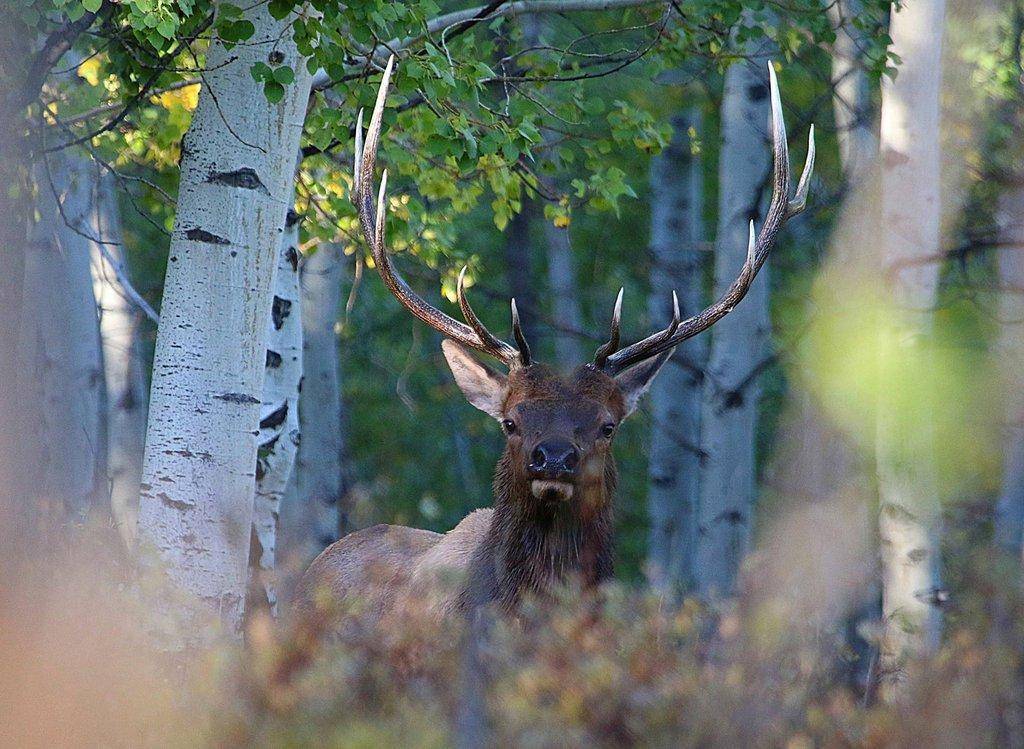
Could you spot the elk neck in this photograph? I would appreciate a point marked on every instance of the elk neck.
(533, 544)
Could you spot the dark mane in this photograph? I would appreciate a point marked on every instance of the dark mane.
(533, 545)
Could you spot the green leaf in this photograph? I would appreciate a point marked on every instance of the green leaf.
(274, 91)
(260, 71)
(237, 31)
(284, 74)
(166, 28)
(280, 8)
(92, 5)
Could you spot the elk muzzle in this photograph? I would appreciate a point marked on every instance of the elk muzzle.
(554, 460)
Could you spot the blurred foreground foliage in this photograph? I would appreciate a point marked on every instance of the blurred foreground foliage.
(82, 669)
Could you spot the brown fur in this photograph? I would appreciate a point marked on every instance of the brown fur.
(524, 545)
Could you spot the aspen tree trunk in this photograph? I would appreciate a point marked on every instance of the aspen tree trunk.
(237, 167)
(519, 267)
(1009, 521)
(677, 263)
(124, 369)
(61, 369)
(824, 459)
(279, 414)
(16, 411)
(1009, 510)
(565, 296)
(909, 512)
(739, 341)
(314, 513)
(851, 95)
(563, 289)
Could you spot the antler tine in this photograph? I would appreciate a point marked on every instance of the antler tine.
(372, 222)
(378, 224)
(517, 332)
(780, 209)
(612, 345)
(799, 201)
(751, 246)
(358, 157)
(497, 348)
(368, 156)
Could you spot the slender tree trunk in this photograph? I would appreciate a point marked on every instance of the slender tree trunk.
(677, 263)
(1009, 523)
(851, 95)
(563, 289)
(1009, 510)
(279, 415)
(909, 512)
(237, 167)
(16, 411)
(315, 512)
(61, 365)
(824, 460)
(519, 267)
(565, 296)
(123, 366)
(739, 342)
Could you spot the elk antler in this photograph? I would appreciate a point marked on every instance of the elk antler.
(781, 208)
(371, 220)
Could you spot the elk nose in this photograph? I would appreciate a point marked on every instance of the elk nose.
(555, 458)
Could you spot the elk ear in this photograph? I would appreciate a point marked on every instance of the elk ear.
(636, 380)
(482, 386)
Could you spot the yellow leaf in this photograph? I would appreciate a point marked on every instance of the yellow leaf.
(562, 221)
(90, 70)
(186, 98)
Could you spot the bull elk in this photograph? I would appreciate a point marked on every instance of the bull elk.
(555, 482)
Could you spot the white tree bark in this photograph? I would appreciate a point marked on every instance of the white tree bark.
(237, 166)
(851, 95)
(123, 366)
(677, 263)
(823, 460)
(279, 414)
(908, 494)
(314, 512)
(739, 342)
(1009, 522)
(61, 366)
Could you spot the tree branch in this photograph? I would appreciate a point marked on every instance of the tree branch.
(54, 47)
(489, 12)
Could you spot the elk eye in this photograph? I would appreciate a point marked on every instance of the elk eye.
(608, 430)
(509, 426)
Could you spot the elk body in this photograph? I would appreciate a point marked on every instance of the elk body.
(554, 485)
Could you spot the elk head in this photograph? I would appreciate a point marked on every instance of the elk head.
(559, 429)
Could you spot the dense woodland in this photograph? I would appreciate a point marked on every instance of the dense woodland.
(820, 511)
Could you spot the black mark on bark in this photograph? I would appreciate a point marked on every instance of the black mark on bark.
(757, 92)
(279, 311)
(170, 501)
(275, 418)
(237, 398)
(245, 178)
(201, 235)
(292, 256)
(273, 359)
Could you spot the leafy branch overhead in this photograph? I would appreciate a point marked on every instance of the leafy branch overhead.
(495, 102)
